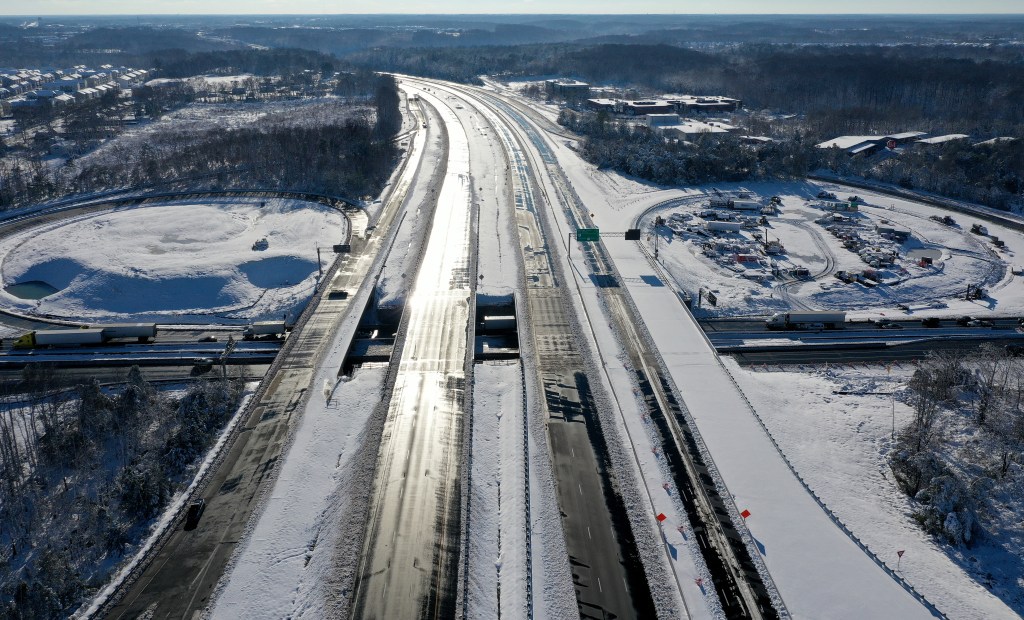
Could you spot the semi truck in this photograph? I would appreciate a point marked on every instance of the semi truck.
(96, 334)
(264, 328)
(810, 319)
(59, 337)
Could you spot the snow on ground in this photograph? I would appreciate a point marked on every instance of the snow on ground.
(404, 255)
(838, 443)
(818, 569)
(302, 546)
(199, 117)
(497, 564)
(750, 289)
(285, 566)
(170, 513)
(175, 261)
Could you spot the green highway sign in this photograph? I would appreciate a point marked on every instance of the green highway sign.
(588, 234)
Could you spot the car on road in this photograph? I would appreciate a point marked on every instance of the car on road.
(931, 321)
(194, 513)
(964, 321)
(201, 365)
(883, 324)
(980, 323)
(208, 338)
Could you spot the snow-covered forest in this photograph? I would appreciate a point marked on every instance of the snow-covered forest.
(960, 457)
(339, 145)
(84, 471)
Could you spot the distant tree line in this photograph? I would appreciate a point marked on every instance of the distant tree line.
(992, 175)
(701, 158)
(837, 90)
(343, 157)
(83, 471)
(331, 149)
(178, 63)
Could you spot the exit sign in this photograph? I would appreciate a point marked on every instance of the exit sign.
(588, 234)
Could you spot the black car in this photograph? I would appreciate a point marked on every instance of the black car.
(931, 321)
(195, 512)
(964, 321)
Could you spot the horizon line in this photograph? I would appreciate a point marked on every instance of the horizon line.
(155, 14)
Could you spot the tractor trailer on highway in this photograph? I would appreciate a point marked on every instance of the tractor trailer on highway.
(59, 337)
(810, 319)
(264, 328)
(97, 334)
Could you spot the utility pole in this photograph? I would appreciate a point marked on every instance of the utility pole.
(228, 349)
(319, 265)
(892, 396)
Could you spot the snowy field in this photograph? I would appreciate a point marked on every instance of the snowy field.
(835, 423)
(178, 261)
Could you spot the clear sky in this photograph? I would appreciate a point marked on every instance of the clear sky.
(239, 7)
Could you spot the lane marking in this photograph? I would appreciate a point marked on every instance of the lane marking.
(580, 487)
(600, 589)
(588, 533)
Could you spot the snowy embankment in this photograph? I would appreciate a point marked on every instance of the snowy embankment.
(785, 522)
(288, 563)
(178, 261)
(398, 273)
(839, 443)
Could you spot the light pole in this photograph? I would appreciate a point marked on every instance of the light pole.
(892, 398)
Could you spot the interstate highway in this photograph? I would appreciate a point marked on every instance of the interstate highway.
(178, 580)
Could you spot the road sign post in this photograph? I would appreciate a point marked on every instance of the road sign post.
(584, 234)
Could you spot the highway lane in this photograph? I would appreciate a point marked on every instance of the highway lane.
(178, 579)
(733, 571)
(607, 575)
(410, 557)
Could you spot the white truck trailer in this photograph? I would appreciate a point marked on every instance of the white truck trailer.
(142, 331)
(809, 319)
(264, 328)
(724, 226)
(59, 337)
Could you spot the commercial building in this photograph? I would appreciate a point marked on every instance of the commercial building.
(866, 145)
(641, 108)
(567, 89)
(688, 104)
